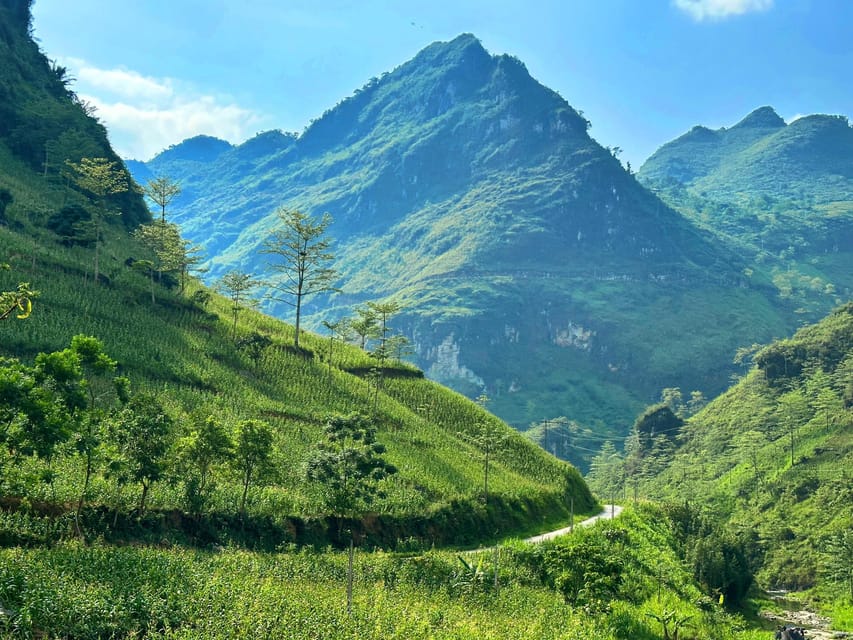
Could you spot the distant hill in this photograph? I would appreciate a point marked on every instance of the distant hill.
(531, 265)
(809, 159)
(780, 194)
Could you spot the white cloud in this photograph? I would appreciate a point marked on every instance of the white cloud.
(718, 9)
(145, 115)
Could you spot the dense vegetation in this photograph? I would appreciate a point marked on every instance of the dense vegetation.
(773, 457)
(623, 580)
(528, 261)
(174, 464)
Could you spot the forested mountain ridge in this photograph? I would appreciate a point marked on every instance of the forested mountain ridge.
(130, 389)
(780, 194)
(529, 262)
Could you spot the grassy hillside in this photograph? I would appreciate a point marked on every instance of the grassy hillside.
(185, 354)
(634, 585)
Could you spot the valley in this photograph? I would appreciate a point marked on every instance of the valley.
(376, 379)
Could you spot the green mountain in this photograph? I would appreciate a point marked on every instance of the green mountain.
(202, 369)
(780, 194)
(530, 264)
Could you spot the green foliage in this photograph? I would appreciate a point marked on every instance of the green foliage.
(301, 254)
(238, 286)
(252, 454)
(207, 445)
(141, 432)
(837, 562)
(779, 194)
(349, 464)
(773, 457)
(147, 592)
(162, 190)
(70, 223)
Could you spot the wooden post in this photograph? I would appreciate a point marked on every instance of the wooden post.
(497, 560)
(572, 516)
(349, 574)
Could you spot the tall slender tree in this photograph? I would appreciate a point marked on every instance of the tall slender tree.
(99, 178)
(162, 190)
(238, 286)
(301, 255)
(489, 438)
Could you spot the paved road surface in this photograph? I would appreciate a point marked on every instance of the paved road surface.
(610, 511)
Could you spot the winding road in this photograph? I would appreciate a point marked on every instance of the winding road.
(610, 511)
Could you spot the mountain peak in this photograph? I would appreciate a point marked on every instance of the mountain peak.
(198, 149)
(761, 118)
(463, 49)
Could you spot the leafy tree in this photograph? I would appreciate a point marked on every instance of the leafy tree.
(587, 572)
(207, 445)
(95, 364)
(349, 465)
(164, 240)
(720, 565)
(70, 223)
(252, 453)
(238, 286)
(162, 190)
(793, 408)
(837, 563)
(387, 345)
(33, 416)
(337, 329)
(634, 466)
(100, 178)
(301, 253)
(747, 445)
(190, 256)
(605, 471)
(255, 344)
(364, 325)
(142, 433)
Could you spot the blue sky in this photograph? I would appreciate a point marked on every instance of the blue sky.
(643, 71)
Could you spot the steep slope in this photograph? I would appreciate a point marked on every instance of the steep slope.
(774, 454)
(42, 121)
(186, 348)
(782, 194)
(530, 264)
